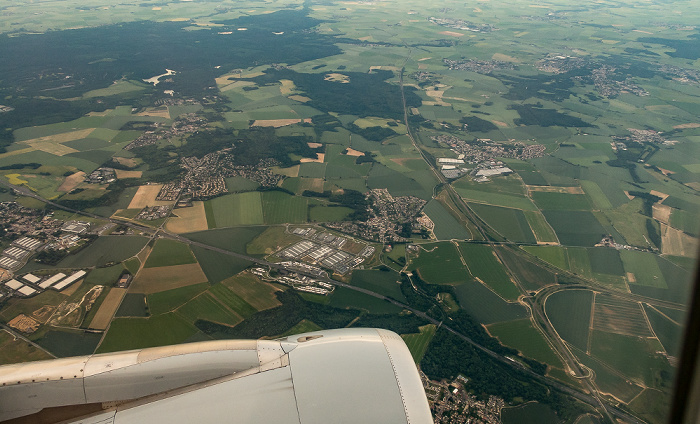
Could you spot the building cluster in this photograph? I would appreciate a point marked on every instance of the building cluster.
(684, 75)
(150, 213)
(483, 152)
(608, 84)
(451, 403)
(185, 124)
(424, 76)
(169, 192)
(390, 218)
(15, 256)
(461, 24)
(17, 221)
(206, 177)
(75, 227)
(325, 249)
(30, 284)
(478, 66)
(560, 64)
(102, 175)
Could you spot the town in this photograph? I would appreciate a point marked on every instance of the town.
(451, 403)
(390, 218)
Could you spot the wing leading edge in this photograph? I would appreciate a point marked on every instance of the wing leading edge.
(341, 376)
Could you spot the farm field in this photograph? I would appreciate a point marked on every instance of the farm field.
(185, 220)
(440, 263)
(382, 282)
(256, 293)
(281, 208)
(619, 316)
(234, 209)
(575, 228)
(343, 298)
(104, 250)
(511, 223)
(232, 301)
(138, 333)
(269, 241)
(521, 335)
(542, 231)
(418, 343)
(669, 333)
(483, 264)
(169, 300)
(531, 275)
(234, 239)
(570, 314)
(446, 226)
(486, 306)
(153, 280)
(218, 266)
(14, 350)
(133, 305)
(206, 307)
(169, 252)
(107, 310)
(553, 255)
(630, 355)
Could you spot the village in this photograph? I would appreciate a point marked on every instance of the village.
(391, 218)
(451, 403)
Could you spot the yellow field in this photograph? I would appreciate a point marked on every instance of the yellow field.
(276, 123)
(319, 158)
(553, 189)
(121, 174)
(153, 280)
(186, 220)
(71, 182)
(292, 171)
(353, 152)
(335, 77)
(57, 149)
(662, 213)
(287, 87)
(108, 308)
(299, 98)
(161, 112)
(451, 33)
(677, 243)
(146, 196)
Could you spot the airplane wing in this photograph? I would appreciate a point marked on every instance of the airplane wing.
(339, 376)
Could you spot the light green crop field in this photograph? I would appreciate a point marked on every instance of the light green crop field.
(521, 335)
(235, 209)
(483, 264)
(137, 333)
(169, 252)
(418, 343)
(570, 314)
(440, 263)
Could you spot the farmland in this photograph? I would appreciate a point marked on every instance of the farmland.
(168, 252)
(418, 343)
(441, 263)
(483, 264)
(595, 117)
(570, 313)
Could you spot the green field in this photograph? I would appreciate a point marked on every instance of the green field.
(496, 199)
(133, 305)
(65, 343)
(219, 266)
(169, 252)
(270, 240)
(240, 184)
(485, 306)
(104, 250)
(529, 413)
(382, 282)
(418, 343)
(560, 201)
(105, 276)
(344, 298)
(235, 209)
(521, 335)
(645, 268)
(230, 299)
(440, 263)
(554, 255)
(531, 275)
(575, 228)
(483, 264)
(540, 228)
(282, 208)
(234, 239)
(206, 307)
(630, 355)
(137, 333)
(328, 213)
(669, 333)
(169, 300)
(570, 314)
(256, 293)
(447, 227)
(511, 223)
